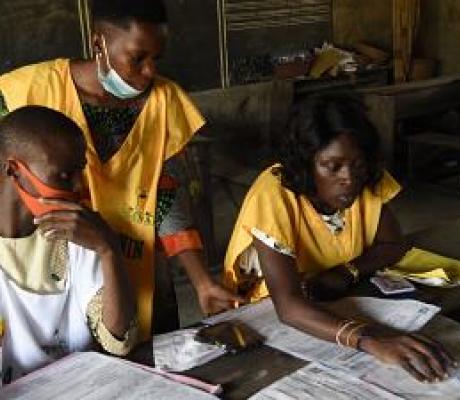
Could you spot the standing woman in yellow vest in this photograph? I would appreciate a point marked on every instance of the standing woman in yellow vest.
(135, 123)
(317, 222)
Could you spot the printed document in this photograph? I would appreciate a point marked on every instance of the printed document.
(93, 376)
(316, 382)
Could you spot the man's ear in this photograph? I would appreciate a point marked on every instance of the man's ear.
(96, 41)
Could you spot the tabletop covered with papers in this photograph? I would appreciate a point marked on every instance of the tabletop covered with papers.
(322, 370)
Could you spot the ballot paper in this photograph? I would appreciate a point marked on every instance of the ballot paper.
(316, 381)
(407, 315)
(321, 382)
(179, 351)
(93, 376)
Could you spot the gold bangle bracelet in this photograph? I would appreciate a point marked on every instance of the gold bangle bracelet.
(342, 327)
(350, 334)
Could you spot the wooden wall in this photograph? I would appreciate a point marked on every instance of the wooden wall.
(36, 30)
(367, 21)
(440, 33)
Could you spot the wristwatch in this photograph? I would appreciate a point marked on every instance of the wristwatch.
(353, 270)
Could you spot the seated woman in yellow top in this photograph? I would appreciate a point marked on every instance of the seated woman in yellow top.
(314, 224)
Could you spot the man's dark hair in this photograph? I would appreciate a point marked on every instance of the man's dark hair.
(21, 128)
(123, 12)
(314, 122)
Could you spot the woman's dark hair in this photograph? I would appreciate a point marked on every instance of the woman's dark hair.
(123, 12)
(314, 122)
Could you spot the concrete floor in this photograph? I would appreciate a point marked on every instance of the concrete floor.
(417, 208)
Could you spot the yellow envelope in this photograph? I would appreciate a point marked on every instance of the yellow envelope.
(325, 61)
(418, 263)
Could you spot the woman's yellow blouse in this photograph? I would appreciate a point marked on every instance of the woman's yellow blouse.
(293, 222)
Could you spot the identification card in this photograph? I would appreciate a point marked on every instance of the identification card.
(392, 284)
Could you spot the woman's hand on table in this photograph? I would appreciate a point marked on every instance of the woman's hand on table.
(425, 359)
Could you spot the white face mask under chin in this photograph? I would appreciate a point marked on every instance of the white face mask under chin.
(112, 82)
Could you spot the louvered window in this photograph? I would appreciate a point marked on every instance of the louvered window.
(243, 15)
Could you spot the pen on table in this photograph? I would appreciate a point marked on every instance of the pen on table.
(239, 336)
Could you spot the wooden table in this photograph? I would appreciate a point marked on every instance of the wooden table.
(241, 375)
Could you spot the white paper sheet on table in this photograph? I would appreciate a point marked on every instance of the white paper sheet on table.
(321, 382)
(93, 376)
(316, 382)
(179, 351)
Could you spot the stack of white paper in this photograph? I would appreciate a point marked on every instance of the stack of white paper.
(93, 376)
